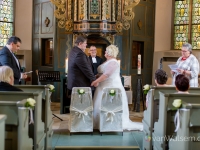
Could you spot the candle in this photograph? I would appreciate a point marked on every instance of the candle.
(119, 62)
(66, 65)
(139, 64)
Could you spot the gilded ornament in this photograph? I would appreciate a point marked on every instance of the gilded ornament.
(126, 25)
(69, 25)
(139, 24)
(119, 26)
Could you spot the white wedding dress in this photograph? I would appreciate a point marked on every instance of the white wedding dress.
(111, 68)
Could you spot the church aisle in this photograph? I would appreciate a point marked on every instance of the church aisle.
(112, 140)
(129, 140)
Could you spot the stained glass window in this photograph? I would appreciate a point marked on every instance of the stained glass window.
(187, 29)
(181, 23)
(6, 20)
(196, 24)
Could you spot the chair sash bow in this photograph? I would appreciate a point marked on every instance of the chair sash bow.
(110, 113)
(82, 113)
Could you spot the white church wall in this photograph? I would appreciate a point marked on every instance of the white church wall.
(23, 30)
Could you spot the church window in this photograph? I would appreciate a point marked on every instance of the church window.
(187, 23)
(6, 21)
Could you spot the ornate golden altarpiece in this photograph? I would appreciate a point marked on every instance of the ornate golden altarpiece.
(103, 17)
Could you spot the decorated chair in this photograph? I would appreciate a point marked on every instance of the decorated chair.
(111, 111)
(81, 110)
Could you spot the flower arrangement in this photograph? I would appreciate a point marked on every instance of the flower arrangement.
(30, 103)
(81, 91)
(177, 103)
(51, 88)
(112, 93)
(146, 88)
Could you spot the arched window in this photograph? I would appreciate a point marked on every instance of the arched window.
(6, 20)
(187, 23)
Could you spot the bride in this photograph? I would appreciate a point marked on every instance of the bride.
(110, 77)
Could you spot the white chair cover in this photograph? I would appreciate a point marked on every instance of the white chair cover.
(111, 111)
(81, 111)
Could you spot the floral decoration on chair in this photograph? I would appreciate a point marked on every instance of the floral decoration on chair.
(112, 94)
(51, 88)
(30, 104)
(177, 104)
(146, 88)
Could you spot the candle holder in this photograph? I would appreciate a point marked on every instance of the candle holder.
(139, 94)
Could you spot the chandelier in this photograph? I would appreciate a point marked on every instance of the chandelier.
(94, 16)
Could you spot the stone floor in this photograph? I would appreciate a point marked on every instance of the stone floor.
(61, 137)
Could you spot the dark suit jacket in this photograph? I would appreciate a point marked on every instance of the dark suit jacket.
(7, 87)
(95, 65)
(79, 69)
(7, 59)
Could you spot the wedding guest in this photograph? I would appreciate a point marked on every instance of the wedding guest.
(182, 84)
(160, 80)
(8, 58)
(110, 77)
(188, 65)
(7, 79)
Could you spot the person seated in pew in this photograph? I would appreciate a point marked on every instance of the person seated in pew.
(182, 84)
(7, 79)
(160, 80)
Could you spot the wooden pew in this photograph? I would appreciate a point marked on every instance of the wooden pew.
(17, 136)
(46, 110)
(38, 135)
(2, 131)
(152, 112)
(188, 135)
(164, 128)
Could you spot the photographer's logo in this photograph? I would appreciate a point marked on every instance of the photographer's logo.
(147, 138)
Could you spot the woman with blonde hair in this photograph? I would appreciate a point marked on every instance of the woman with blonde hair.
(7, 79)
(110, 77)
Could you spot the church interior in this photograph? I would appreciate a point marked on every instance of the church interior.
(149, 35)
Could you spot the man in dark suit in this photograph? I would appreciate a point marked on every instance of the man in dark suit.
(95, 60)
(8, 58)
(80, 72)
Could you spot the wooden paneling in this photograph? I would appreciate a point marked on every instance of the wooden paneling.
(47, 11)
(140, 16)
(150, 21)
(36, 18)
(149, 55)
(36, 52)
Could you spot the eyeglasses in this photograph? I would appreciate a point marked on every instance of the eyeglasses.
(184, 51)
(92, 49)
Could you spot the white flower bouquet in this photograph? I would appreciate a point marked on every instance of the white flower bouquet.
(146, 88)
(112, 93)
(51, 88)
(81, 91)
(30, 103)
(177, 103)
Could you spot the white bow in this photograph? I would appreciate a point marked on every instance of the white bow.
(177, 119)
(31, 116)
(82, 113)
(110, 113)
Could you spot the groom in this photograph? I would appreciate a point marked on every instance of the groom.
(80, 72)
